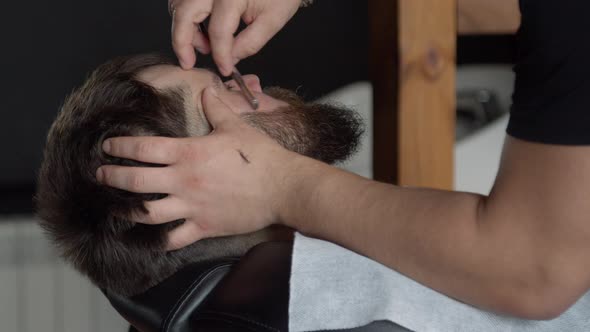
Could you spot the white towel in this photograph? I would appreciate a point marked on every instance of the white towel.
(334, 288)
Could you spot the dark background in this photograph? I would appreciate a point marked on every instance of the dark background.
(49, 47)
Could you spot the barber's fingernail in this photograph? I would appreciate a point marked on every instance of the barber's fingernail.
(99, 175)
(225, 71)
(106, 146)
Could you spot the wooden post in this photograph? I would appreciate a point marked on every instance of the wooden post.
(412, 60)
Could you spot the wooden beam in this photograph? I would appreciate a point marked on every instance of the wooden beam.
(427, 43)
(413, 72)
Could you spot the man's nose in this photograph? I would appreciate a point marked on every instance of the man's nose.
(252, 82)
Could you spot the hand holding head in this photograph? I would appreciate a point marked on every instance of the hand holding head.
(236, 165)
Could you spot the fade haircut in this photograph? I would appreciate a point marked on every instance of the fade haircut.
(91, 223)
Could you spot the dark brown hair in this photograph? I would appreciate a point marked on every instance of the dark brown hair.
(90, 223)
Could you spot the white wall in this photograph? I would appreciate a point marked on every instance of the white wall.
(39, 293)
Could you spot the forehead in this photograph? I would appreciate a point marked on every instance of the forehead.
(168, 76)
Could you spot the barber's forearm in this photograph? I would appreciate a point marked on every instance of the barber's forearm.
(487, 17)
(434, 237)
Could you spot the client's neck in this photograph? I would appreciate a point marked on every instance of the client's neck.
(235, 246)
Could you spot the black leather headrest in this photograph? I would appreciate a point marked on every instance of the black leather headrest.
(250, 294)
(247, 294)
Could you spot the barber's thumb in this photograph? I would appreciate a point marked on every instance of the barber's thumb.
(217, 112)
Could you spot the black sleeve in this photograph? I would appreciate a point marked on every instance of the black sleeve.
(552, 90)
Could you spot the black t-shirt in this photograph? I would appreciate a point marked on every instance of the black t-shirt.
(551, 101)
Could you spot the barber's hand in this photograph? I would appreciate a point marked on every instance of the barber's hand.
(263, 17)
(230, 182)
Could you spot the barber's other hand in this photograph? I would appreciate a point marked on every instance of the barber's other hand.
(263, 17)
(230, 182)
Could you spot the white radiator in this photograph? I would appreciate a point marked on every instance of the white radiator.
(40, 293)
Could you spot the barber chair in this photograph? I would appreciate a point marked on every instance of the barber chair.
(228, 295)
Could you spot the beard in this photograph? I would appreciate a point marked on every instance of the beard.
(327, 132)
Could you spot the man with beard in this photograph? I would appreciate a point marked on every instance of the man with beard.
(147, 95)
